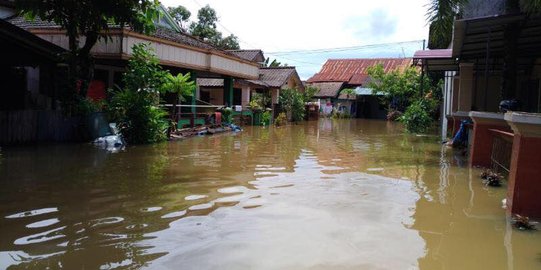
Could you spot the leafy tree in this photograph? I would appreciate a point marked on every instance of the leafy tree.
(350, 92)
(309, 93)
(407, 92)
(292, 102)
(136, 107)
(91, 20)
(205, 28)
(180, 85)
(180, 14)
(274, 63)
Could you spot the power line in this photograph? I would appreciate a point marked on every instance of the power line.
(340, 49)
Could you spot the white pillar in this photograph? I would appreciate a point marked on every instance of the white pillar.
(245, 100)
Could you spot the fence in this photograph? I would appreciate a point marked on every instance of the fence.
(501, 151)
(29, 126)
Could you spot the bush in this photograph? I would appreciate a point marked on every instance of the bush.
(293, 101)
(417, 118)
(266, 118)
(135, 108)
(393, 115)
(281, 119)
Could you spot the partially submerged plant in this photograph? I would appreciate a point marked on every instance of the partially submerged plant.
(523, 223)
(491, 178)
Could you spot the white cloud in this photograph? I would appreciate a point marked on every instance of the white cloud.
(284, 25)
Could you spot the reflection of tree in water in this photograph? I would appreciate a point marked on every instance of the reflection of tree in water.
(102, 205)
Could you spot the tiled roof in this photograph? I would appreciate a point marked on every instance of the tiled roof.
(161, 33)
(354, 71)
(276, 76)
(209, 82)
(327, 89)
(250, 55)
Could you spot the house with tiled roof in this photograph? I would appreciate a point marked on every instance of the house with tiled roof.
(270, 80)
(339, 74)
(256, 56)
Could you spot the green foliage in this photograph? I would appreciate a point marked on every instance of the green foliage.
(398, 89)
(205, 29)
(417, 117)
(260, 101)
(441, 15)
(91, 20)
(266, 118)
(309, 93)
(180, 14)
(293, 101)
(281, 119)
(135, 108)
(180, 85)
(350, 92)
(227, 114)
(274, 63)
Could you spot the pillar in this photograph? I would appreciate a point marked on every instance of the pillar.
(228, 91)
(193, 77)
(465, 88)
(245, 96)
(483, 138)
(524, 185)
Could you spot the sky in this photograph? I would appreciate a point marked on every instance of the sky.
(305, 33)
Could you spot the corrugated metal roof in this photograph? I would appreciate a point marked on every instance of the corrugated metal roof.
(354, 71)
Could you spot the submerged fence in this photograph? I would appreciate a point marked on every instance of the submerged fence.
(29, 126)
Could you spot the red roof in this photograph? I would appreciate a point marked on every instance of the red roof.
(354, 71)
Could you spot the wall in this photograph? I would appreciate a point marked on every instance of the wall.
(490, 93)
(483, 8)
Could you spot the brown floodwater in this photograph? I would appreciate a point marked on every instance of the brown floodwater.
(333, 194)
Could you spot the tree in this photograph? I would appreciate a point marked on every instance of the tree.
(89, 19)
(274, 63)
(205, 28)
(292, 102)
(180, 14)
(181, 86)
(135, 108)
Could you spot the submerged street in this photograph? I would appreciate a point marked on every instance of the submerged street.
(327, 194)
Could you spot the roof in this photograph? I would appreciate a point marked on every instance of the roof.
(161, 33)
(209, 82)
(18, 39)
(327, 89)
(354, 71)
(250, 55)
(436, 60)
(276, 76)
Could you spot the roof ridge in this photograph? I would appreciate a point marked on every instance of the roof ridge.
(377, 58)
(281, 67)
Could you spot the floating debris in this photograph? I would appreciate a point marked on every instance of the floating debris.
(523, 223)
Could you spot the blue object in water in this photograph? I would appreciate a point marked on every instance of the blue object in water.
(461, 137)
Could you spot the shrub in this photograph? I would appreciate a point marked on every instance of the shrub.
(417, 118)
(135, 108)
(281, 119)
(266, 118)
(293, 101)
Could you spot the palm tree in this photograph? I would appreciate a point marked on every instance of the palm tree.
(442, 13)
(179, 85)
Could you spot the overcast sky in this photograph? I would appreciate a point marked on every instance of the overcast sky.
(278, 26)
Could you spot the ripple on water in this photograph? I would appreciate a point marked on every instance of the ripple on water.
(201, 206)
(151, 209)
(105, 221)
(194, 197)
(175, 214)
(40, 237)
(34, 212)
(43, 223)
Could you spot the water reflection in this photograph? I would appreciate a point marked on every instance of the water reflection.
(328, 194)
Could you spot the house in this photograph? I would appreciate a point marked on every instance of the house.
(339, 74)
(269, 82)
(177, 51)
(482, 69)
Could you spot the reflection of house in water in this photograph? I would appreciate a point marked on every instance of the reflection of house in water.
(339, 74)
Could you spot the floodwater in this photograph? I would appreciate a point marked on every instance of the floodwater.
(333, 194)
